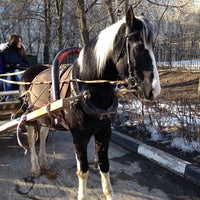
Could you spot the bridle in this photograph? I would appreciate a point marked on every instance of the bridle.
(132, 78)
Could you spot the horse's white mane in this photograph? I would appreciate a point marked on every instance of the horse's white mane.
(104, 44)
(105, 41)
(147, 33)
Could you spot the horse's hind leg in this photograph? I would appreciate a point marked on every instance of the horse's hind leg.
(42, 153)
(31, 136)
(102, 145)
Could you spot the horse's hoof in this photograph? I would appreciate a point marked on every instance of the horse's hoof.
(110, 198)
(35, 174)
(45, 167)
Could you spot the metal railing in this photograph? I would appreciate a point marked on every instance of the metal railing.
(178, 51)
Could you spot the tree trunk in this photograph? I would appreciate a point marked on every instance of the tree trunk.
(47, 19)
(109, 6)
(82, 21)
(59, 15)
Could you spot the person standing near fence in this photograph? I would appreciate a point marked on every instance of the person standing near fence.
(1, 72)
(14, 60)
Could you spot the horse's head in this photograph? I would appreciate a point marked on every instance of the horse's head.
(136, 50)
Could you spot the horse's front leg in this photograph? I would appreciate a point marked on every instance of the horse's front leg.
(31, 137)
(42, 153)
(102, 146)
(80, 148)
(106, 185)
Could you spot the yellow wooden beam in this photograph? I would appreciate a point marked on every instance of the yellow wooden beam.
(41, 112)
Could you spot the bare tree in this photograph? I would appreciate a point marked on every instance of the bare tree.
(47, 19)
(59, 20)
(82, 21)
(110, 5)
(46, 28)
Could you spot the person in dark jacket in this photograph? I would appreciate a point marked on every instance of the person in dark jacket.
(14, 59)
(1, 71)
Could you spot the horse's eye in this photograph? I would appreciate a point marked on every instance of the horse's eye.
(140, 42)
(140, 45)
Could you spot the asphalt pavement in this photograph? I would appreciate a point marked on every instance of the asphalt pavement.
(132, 176)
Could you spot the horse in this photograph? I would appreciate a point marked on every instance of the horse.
(125, 50)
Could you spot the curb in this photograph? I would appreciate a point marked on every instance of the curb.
(176, 165)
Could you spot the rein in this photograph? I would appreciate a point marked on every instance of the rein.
(66, 81)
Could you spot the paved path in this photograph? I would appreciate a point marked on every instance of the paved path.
(132, 177)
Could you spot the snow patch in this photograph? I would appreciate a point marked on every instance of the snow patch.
(155, 135)
(184, 145)
(170, 116)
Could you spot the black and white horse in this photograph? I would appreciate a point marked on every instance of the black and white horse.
(123, 49)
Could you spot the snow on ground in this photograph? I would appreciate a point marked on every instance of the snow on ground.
(187, 64)
(184, 145)
(169, 116)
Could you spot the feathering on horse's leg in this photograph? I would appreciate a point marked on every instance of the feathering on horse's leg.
(35, 168)
(82, 168)
(42, 153)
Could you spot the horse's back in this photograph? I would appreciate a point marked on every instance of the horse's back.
(40, 91)
(32, 72)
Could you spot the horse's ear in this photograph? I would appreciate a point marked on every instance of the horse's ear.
(130, 17)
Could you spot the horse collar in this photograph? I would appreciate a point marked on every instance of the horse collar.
(88, 107)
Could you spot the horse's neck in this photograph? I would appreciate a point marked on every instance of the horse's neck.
(101, 94)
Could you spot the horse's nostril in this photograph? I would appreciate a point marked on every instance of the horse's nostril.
(151, 97)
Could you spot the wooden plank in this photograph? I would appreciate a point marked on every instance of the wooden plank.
(9, 107)
(9, 103)
(9, 125)
(53, 107)
(7, 93)
(9, 112)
